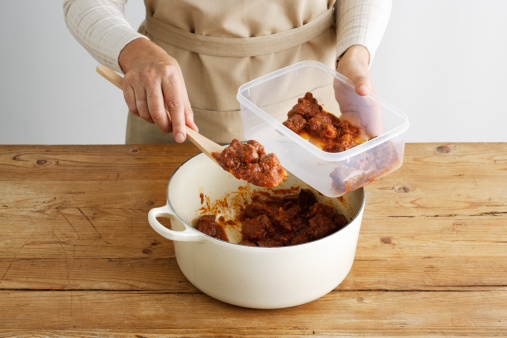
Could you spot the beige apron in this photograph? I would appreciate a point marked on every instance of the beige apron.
(223, 44)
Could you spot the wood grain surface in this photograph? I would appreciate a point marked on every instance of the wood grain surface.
(79, 259)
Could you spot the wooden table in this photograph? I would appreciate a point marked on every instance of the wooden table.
(78, 257)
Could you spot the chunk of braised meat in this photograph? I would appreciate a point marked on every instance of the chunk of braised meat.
(321, 125)
(305, 200)
(344, 126)
(250, 163)
(270, 172)
(307, 107)
(289, 219)
(206, 224)
(258, 228)
(299, 239)
(249, 153)
(320, 209)
(296, 123)
(260, 207)
(320, 226)
(257, 146)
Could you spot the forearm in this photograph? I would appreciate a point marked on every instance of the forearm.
(100, 26)
(361, 23)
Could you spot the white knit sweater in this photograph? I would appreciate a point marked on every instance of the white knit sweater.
(100, 26)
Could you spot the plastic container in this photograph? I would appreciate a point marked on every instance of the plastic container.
(266, 101)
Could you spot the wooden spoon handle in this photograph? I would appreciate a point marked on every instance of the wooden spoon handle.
(204, 144)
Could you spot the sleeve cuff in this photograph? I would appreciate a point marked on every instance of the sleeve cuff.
(362, 23)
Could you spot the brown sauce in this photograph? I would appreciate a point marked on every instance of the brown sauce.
(250, 163)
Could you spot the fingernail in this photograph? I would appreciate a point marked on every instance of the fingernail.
(179, 138)
(364, 88)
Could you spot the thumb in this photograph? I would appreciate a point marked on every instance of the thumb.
(362, 84)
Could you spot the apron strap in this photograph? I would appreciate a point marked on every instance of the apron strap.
(238, 47)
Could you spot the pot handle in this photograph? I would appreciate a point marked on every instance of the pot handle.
(187, 235)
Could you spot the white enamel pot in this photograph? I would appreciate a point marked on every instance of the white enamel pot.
(254, 277)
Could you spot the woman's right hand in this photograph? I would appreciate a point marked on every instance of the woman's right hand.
(153, 81)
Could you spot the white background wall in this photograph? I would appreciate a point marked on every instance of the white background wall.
(440, 61)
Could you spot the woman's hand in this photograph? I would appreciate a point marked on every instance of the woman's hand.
(359, 110)
(152, 82)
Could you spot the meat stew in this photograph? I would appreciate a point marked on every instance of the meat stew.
(275, 221)
(249, 161)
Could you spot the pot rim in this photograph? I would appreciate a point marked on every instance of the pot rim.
(256, 248)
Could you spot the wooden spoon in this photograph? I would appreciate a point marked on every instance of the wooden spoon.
(204, 144)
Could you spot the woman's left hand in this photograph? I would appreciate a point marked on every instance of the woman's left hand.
(355, 107)
(354, 65)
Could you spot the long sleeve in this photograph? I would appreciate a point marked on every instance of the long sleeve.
(100, 26)
(361, 23)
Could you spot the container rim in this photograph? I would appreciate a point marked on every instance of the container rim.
(279, 127)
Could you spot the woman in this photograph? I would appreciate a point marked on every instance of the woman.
(191, 56)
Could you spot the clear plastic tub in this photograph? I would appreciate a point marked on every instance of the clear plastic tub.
(266, 101)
